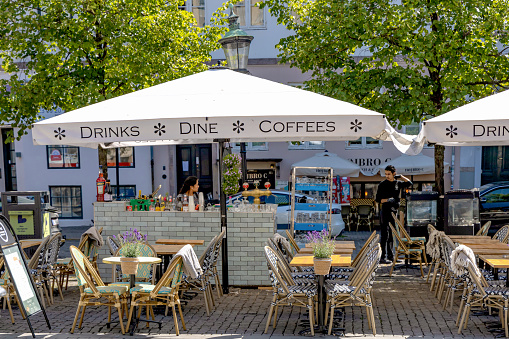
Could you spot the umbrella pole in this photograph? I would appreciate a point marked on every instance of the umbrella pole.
(222, 200)
(117, 173)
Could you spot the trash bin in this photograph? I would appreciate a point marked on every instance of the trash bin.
(28, 213)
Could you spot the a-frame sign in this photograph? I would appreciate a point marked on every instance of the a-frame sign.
(18, 273)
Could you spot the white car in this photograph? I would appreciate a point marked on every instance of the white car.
(282, 217)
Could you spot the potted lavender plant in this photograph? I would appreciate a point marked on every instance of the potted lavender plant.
(323, 248)
(129, 242)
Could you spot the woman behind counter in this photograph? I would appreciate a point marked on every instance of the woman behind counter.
(190, 189)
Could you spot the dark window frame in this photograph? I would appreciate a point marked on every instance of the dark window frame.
(134, 159)
(63, 157)
(81, 199)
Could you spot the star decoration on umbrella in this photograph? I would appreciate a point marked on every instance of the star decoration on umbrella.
(160, 128)
(238, 126)
(59, 133)
(451, 131)
(356, 125)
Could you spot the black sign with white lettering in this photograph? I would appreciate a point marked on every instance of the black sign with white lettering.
(261, 176)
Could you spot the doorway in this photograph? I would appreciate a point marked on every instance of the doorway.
(195, 160)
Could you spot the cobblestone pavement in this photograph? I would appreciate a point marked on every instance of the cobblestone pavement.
(404, 308)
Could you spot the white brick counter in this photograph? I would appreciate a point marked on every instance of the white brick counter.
(247, 234)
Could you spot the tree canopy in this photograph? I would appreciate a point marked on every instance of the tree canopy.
(73, 53)
(408, 59)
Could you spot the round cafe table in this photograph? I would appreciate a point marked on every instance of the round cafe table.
(132, 282)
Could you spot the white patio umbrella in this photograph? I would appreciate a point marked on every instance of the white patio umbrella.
(413, 165)
(482, 122)
(218, 103)
(339, 165)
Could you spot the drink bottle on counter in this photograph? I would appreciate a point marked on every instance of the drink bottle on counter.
(185, 205)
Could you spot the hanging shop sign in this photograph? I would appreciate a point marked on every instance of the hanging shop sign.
(261, 176)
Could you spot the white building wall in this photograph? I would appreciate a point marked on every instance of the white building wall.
(33, 174)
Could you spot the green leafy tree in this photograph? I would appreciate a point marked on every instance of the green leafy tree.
(73, 53)
(408, 59)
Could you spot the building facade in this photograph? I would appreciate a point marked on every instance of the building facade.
(70, 173)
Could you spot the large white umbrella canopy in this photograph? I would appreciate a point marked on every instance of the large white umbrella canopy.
(482, 122)
(215, 104)
(413, 165)
(339, 165)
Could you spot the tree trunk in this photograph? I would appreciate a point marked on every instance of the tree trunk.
(103, 161)
(439, 184)
(439, 169)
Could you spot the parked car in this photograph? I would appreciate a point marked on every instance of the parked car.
(282, 217)
(494, 204)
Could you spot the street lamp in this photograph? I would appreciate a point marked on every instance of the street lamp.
(236, 44)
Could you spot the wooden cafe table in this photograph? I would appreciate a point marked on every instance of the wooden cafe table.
(337, 261)
(191, 242)
(337, 250)
(496, 262)
(339, 244)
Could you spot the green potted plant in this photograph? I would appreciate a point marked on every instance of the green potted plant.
(231, 174)
(129, 242)
(323, 248)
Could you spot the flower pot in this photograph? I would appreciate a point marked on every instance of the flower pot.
(129, 265)
(322, 265)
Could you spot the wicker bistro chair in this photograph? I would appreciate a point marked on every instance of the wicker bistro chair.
(165, 293)
(285, 294)
(345, 272)
(364, 216)
(213, 271)
(347, 213)
(292, 241)
(113, 245)
(95, 295)
(35, 268)
(433, 254)
(66, 268)
(482, 295)
(451, 281)
(502, 234)
(411, 242)
(403, 250)
(356, 292)
(49, 266)
(202, 282)
(145, 273)
(483, 231)
(291, 276)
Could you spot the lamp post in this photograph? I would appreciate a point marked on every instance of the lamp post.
(236, 45)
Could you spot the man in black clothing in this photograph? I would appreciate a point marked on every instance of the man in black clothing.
(388, 196)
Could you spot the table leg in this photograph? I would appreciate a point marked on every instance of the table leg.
(321, 302)
(495, 273)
